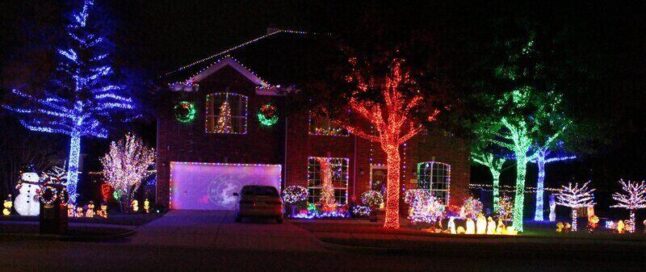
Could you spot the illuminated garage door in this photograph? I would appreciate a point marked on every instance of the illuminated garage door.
(210, 186)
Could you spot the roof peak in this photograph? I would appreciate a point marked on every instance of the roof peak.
(271, 31)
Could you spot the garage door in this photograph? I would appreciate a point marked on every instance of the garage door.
(210, 186)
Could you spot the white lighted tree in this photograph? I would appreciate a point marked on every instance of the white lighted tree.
(632, 198)
(126, 164)
(575, 197)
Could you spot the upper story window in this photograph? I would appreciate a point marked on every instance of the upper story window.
(435, 176)
(321, 124)
(226, 113)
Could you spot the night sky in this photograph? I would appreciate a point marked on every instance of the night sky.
(154, 37)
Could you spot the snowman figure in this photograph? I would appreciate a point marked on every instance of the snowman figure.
(26, 202)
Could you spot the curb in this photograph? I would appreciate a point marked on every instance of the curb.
(77, 238)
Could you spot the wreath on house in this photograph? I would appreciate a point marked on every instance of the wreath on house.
(267, 115)
(185, 112)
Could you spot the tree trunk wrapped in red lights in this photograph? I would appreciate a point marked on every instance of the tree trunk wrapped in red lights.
(392, 120)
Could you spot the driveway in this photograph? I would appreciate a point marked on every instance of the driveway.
(217, 230)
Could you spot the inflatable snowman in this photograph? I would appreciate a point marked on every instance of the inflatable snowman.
(26, 202)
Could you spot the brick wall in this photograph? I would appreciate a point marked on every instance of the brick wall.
(189, 142)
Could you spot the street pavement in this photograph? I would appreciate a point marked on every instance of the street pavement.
(211, 241)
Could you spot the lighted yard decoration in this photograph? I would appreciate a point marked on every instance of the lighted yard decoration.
(632, 198)
(125, 165)
(523, 116)
(542, 158)
(424, 207)
(372, 199)
(505, 208)
(575, 197)
(392, 119)
(7, 205)
(471, 207)
(294, 194)
(26, 202)
(85, 98)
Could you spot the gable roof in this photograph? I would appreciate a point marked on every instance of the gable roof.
(278, 58)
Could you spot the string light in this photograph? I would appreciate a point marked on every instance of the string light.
(126, 164)
(95, 97)
(341, 163)
(518, 131)
(494, 164)
(632, 198)
(227, 51)
(391, 119)
(222, 124)
(575, 197)
(541, 159)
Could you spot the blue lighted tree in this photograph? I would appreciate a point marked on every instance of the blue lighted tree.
(544, 155)
(85, 98)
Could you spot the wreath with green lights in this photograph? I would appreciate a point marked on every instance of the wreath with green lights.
(185, 112)
(268, 115)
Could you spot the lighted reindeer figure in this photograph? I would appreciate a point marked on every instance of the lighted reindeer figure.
(632, 198)
(575, 197)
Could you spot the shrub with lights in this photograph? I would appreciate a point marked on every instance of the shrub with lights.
(471, 208)
(424, 207)
(295, 197)
(372, 199)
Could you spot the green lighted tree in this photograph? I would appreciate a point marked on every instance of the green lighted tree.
(481, 154)
(527, 116)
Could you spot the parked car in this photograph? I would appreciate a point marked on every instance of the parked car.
(259, 201)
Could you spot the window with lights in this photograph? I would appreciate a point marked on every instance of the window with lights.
(338, 168)
(322, 125)
(226, 113)
(436, 177)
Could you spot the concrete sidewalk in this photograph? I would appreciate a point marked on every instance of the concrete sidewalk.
(217, 230)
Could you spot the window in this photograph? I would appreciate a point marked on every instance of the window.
(338, 172)
(226, 113)
(436, 177)
(321, 124)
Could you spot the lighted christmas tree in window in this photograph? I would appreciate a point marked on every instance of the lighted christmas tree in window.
(327, 192)
(223, 124)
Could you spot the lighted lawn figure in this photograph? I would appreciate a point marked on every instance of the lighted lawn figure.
(392, 119)
(494, 163)
(85, 98)
(632, 198)
(542, 158)
(125, 165)
(575, 197)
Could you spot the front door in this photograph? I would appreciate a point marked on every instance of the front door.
(378, 175)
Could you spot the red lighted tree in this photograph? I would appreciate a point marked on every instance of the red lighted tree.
(391, 116)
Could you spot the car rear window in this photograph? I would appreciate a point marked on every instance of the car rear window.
(260, 190)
